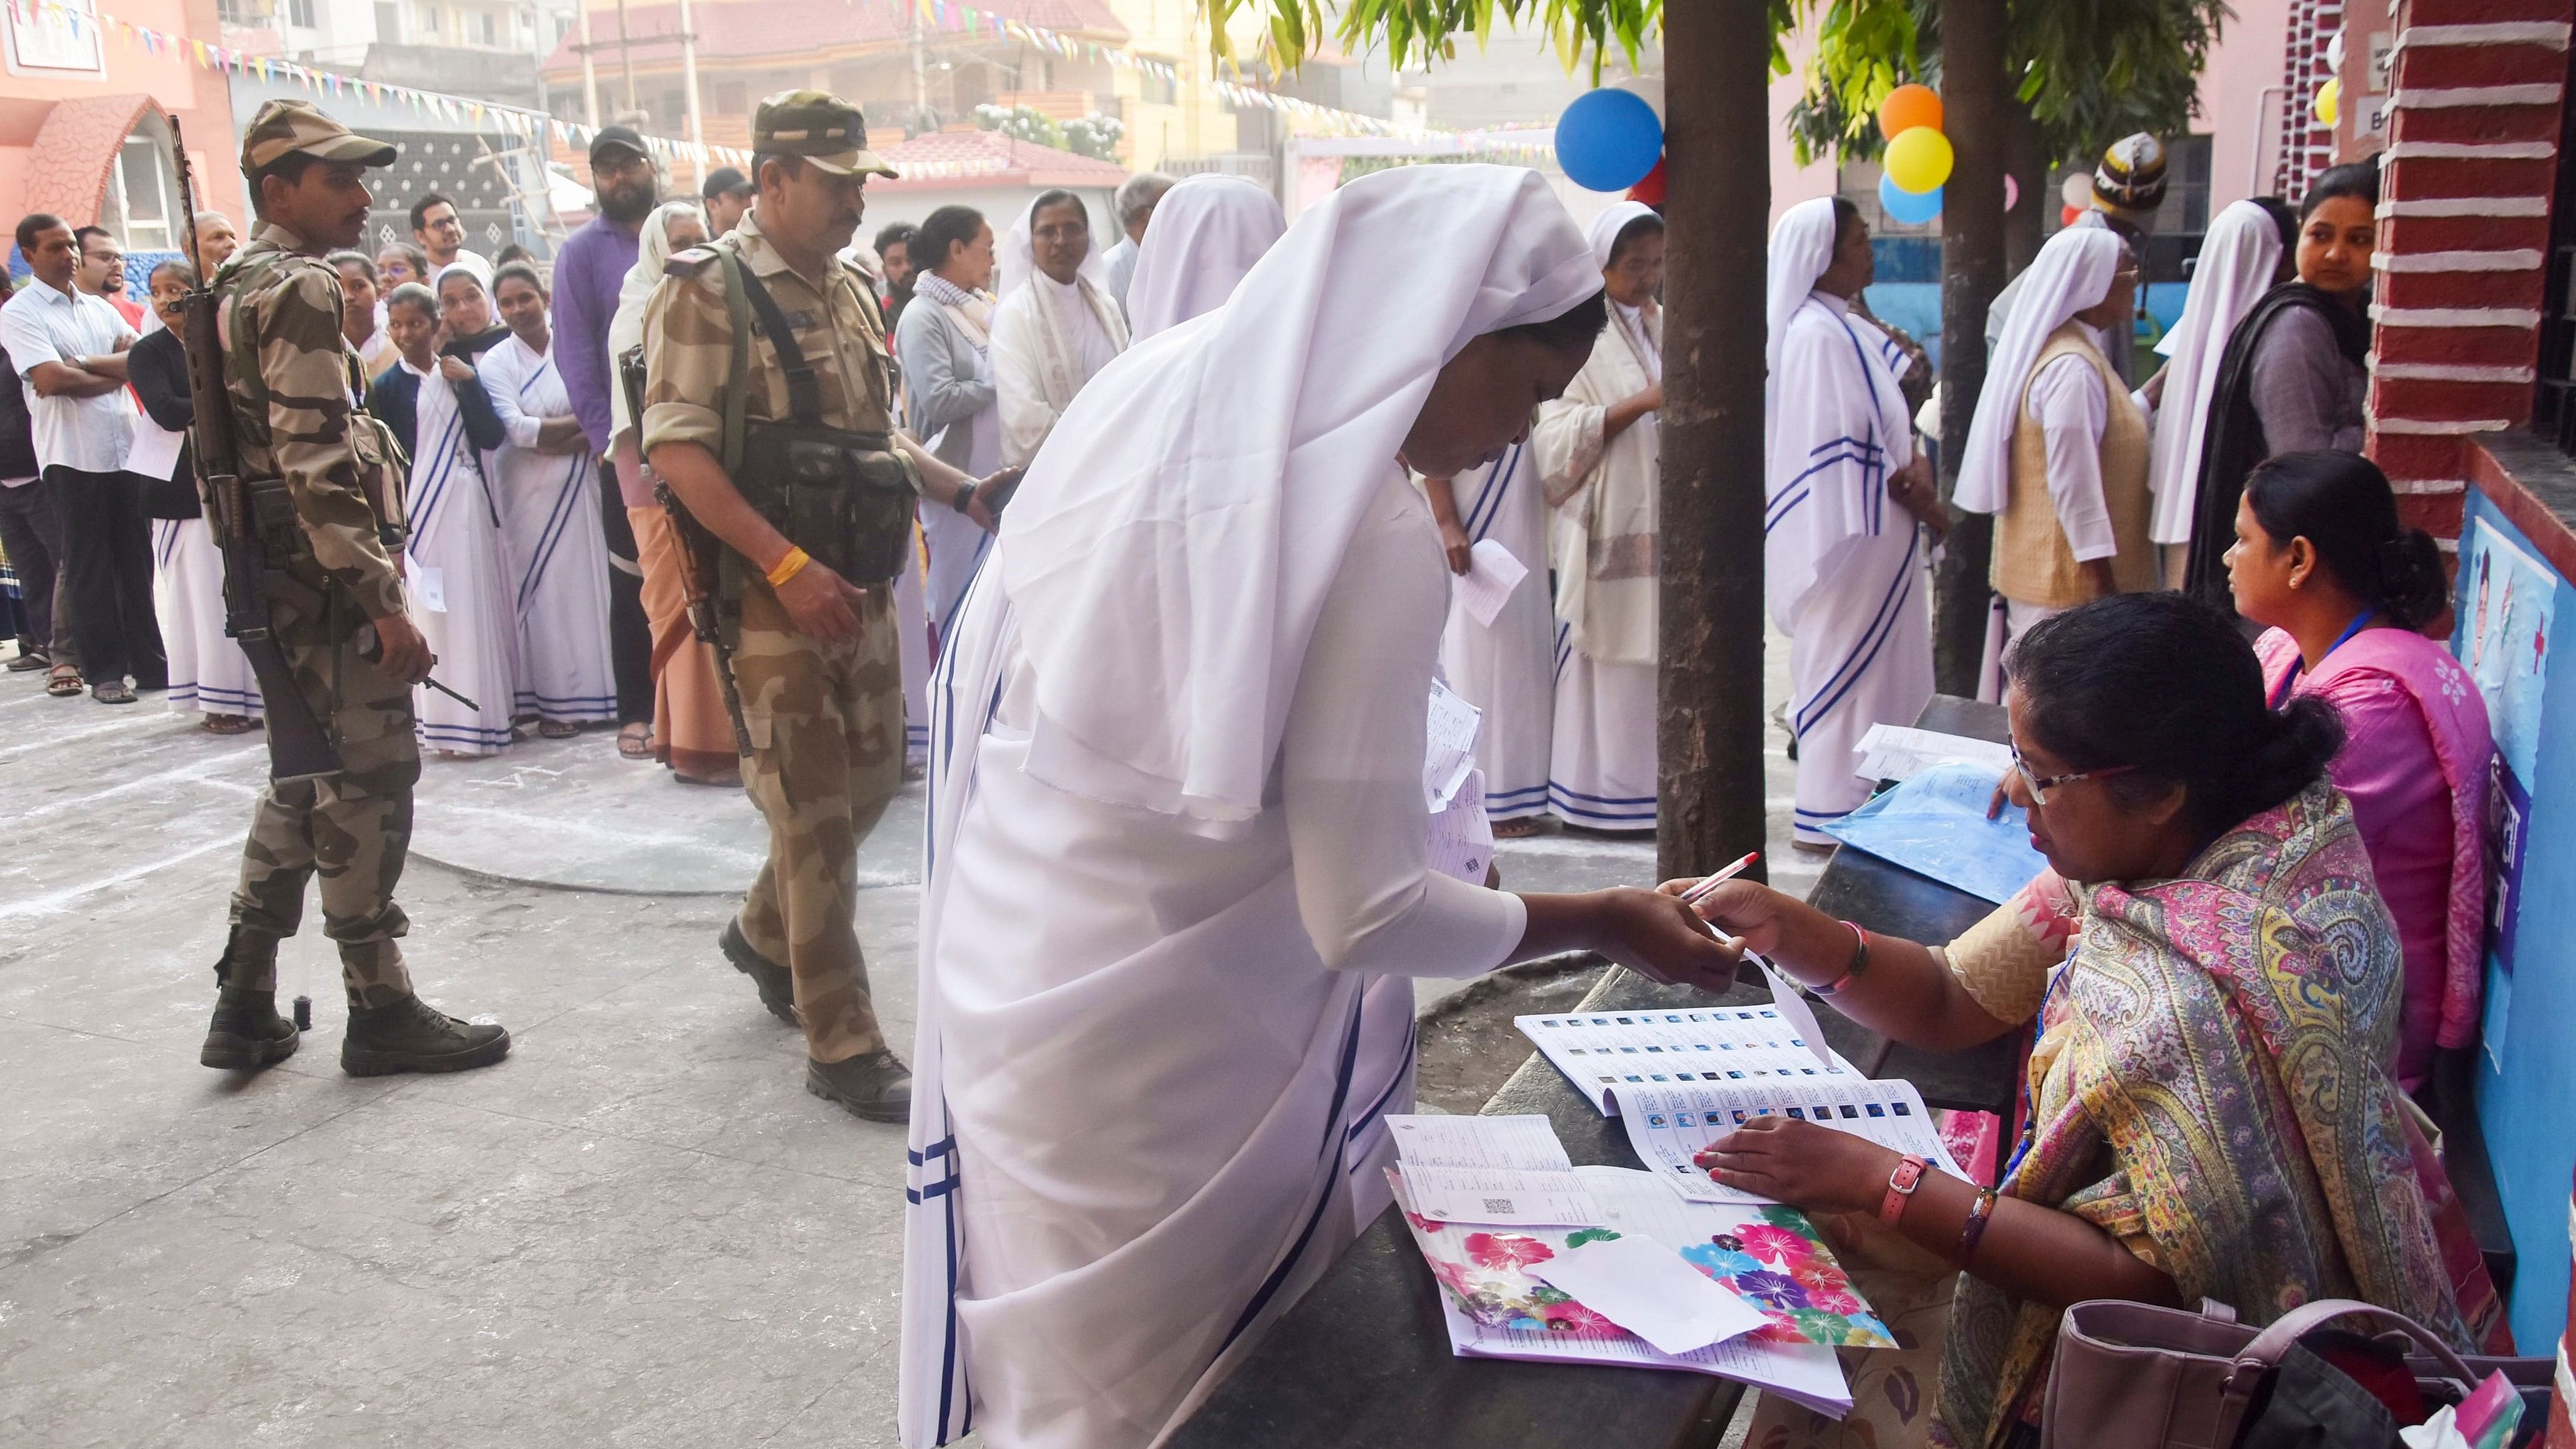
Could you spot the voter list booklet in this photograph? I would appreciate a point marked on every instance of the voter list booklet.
(1494, 1307)
(1611, 1055)
(1497, 1170)
(1669, 1125)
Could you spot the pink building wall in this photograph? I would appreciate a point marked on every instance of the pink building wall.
(59, 133)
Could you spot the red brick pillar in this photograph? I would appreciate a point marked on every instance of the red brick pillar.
(2476, 87)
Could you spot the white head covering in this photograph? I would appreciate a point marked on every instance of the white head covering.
(2237, 260)
(1173, 543)
(626, 325)
(2072, 272)
(1802, 246)
(471, 265)
(1603, 234)
(1018, 259)
(1207, 232)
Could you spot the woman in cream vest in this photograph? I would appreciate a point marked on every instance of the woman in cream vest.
(2058, 450)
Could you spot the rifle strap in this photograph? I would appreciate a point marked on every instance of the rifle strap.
(804, 400)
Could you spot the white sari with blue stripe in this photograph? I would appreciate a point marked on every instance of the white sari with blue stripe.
(550, 523)
(1506, 669)
(208, 671)
(1844, 565)
(1147, 1113)
(459, 582)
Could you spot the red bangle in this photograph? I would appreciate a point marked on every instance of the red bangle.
(1900, 1186)
(1974, 1230)
(1859, 963)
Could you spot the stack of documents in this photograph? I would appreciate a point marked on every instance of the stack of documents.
(1543, 1261)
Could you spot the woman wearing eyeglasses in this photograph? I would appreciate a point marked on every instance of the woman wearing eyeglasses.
(2058, 450)
(2216, 989)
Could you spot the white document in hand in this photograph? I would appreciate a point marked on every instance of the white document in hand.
(1461, 836)
(1793, 1006)
(154, 453)
(1647, 1289)
(1448, 746)
(1492, 573)
(1490, 1170)
(429, 588)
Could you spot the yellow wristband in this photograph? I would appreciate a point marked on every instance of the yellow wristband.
(789, 567)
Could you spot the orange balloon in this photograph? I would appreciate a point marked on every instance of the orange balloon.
(1907, 107)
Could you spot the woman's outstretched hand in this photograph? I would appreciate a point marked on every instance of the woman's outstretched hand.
(1658, 937)
(1747, 912)
(1821, 1169)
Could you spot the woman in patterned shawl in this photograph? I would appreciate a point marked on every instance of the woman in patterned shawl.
(2209, 1107)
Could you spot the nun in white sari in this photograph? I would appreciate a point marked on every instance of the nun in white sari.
(2240, 260)
(1177, 824)
(1056, 326)
(460, 584)
(1600, 459)
(1843, 561)
(1207, 232)
(546, 484)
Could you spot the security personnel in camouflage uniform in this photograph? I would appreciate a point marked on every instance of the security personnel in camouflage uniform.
(814, 661)
(281, 302)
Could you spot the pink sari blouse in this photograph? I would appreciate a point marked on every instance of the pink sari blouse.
(2414, 764)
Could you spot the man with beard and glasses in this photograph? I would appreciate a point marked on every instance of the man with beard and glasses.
(590, 268)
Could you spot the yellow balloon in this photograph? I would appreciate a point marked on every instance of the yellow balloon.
(2329, 101)
(1919, 160)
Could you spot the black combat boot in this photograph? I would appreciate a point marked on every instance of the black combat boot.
(875, 1085)
(410, 1035)
(247, 1033)
(777, 984)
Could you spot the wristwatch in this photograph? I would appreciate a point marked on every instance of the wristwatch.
(965, 498)
(1900, 1186)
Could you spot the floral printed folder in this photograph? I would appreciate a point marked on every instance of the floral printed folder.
(1766, 1254)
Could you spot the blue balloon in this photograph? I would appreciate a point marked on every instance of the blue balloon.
(1608, 140)
(1911, 207)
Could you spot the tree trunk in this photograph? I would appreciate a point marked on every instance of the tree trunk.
(2027, 164)
(1973, 99)
(1709, 694)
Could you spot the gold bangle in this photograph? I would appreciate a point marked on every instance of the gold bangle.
(788, 567)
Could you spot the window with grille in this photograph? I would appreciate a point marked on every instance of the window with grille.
(2553, 403)
(142, 193)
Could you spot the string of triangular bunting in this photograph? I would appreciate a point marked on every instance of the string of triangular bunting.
(948, 16)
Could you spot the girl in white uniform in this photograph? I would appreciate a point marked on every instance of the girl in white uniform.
(1178, 829)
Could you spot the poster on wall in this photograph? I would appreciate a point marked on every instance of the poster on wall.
(2508, 607)
(56, 39)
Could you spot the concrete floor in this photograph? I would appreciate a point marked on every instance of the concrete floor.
(638, 1230)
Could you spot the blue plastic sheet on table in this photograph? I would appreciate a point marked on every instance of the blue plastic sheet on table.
(1935, 825)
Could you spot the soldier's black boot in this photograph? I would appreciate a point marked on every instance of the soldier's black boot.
(875, 1085)
(247, 1033)
(776, 983)
(410, 1035)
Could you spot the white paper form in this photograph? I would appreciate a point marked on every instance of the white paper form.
(1646, 1288)
(1492, 573)
(1793, 1006)
(1499, 1170)
(1805, 1372)
(1449, 748)
(1633, 1202)
(154, 453)
(429, 588)
(1608, 1054)
(1668, 1127)
(1900, 752)
(1462, 836)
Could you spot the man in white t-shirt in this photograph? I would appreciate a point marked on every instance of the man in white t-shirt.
(69, 349)
(441, 234)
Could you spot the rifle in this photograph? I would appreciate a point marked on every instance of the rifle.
(255, 524)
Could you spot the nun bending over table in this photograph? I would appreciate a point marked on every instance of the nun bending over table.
(1177, 869)
(1600, 456)
(1844, 563)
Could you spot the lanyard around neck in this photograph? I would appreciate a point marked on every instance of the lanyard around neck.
(2360, 621)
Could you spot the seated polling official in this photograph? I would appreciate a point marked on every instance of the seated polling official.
(2321, 558)
(2210, 1110)
(1178, 869)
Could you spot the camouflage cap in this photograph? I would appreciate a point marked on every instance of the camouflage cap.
(818, 126)
(284, 127)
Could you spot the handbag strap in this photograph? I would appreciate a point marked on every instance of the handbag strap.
(2264, 1354)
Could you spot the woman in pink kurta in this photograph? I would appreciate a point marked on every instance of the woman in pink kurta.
(2321, 558)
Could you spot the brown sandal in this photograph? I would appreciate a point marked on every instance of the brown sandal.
(635, 740)
(228, 724)
(64, 682)
(557, 729)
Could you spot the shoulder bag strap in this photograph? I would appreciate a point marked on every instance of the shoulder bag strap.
(738, 371)
(804, 402)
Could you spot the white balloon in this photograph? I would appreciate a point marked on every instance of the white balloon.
(2334, 54)
(2078, 189)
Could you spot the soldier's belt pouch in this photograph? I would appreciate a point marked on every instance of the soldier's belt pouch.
(843, 497)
